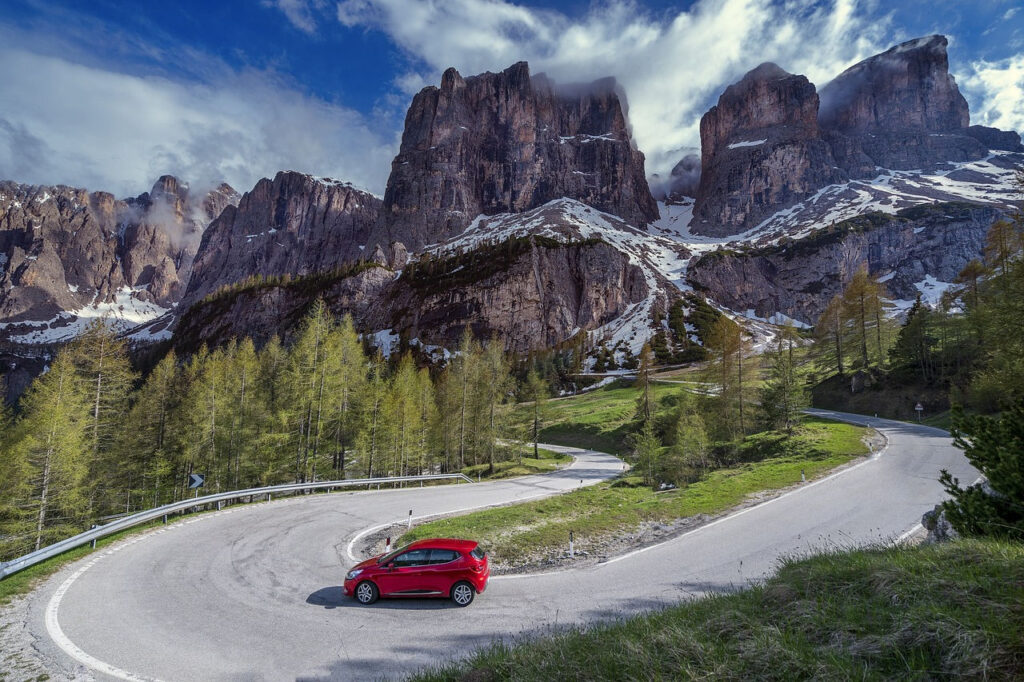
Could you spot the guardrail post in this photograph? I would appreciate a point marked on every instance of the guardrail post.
(165, 519)
(94, 539)
(219, 502)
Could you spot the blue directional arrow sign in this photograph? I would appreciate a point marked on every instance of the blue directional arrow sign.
(195, 481)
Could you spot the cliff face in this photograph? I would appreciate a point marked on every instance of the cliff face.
(761, 149)
(798, 279)
(536, 299)
(508, 142)
(294, 225)
(768, 144)
(538, 296)
(62, 249)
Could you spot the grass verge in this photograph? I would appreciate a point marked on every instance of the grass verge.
(954, 610)
(541, 528)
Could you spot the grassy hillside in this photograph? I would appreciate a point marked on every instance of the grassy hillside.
(599, 420)
(932, 612)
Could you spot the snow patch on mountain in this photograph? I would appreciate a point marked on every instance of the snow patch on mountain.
(987, 181)
(125, 312)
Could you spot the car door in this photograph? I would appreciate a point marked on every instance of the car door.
(405, 573)
(440, 574)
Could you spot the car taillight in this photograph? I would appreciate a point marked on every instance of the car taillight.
(479, 567)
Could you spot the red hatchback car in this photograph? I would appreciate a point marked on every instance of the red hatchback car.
(425, 568)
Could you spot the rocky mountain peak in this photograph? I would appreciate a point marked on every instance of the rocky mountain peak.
(764, 98)
(295, 224)
(906, 87)
(761, 148)
(508, 142)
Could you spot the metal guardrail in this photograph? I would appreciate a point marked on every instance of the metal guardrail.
(98, 532)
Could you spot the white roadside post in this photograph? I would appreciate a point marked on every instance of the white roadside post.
(409, 527)
(571, 552)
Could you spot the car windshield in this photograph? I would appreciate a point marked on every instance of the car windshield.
(391, 555)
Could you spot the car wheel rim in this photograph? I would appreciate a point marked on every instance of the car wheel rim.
(364, 593)
(463, 594)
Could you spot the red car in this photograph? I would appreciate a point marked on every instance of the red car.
(425, 568)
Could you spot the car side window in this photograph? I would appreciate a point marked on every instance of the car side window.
(443, 556)
(416, 557)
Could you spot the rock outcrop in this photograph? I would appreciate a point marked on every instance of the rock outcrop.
(769, 144)
(530, 293)
(901, 109)
(762, 149)
(508, 142)
(798, 278)
(293, 225)
(63, 249)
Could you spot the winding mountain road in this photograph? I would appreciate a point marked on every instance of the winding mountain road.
(254, 592)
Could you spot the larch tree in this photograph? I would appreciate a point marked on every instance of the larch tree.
(535, 391)
(645, 399)
(830, 332)
(784, 394)
(101, 358)
(54, 437)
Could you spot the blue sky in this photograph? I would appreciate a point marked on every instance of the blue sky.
(109, 95)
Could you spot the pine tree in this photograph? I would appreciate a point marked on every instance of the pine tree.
(54, 437)
(101, 359)
(784, 394)
(995, 447)
(495, 385)
(646, 448)
(862, 306)
(535, 391)
(347, 366)
(830, 332)
(645, 406)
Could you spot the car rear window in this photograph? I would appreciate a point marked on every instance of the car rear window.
(478, 553)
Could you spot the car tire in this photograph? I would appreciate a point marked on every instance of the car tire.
(462, 593)
(366, 592)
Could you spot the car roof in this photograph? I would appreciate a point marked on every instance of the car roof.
(444, 543)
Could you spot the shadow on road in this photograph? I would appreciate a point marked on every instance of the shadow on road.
(334, 598)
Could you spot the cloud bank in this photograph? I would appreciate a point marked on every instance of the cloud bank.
(672, 66)
(64, 122)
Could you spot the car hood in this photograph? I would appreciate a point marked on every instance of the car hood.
(372, 561)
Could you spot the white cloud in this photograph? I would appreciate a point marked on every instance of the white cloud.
(997, 91)
(301, 13)
(63, 122)
(671, 66)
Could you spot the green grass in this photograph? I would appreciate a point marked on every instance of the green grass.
(595, 512)
(598, 420)
(549, 460)
(954, 610)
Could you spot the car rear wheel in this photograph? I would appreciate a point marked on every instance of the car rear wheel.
(462, 594)
(367, 592)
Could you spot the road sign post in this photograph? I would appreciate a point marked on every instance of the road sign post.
(920, 408)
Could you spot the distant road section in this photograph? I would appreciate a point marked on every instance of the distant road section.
(255, 592)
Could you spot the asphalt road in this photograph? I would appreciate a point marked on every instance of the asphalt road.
(255, 592)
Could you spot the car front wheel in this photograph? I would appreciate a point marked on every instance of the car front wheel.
(367, 592)
(462, 594)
